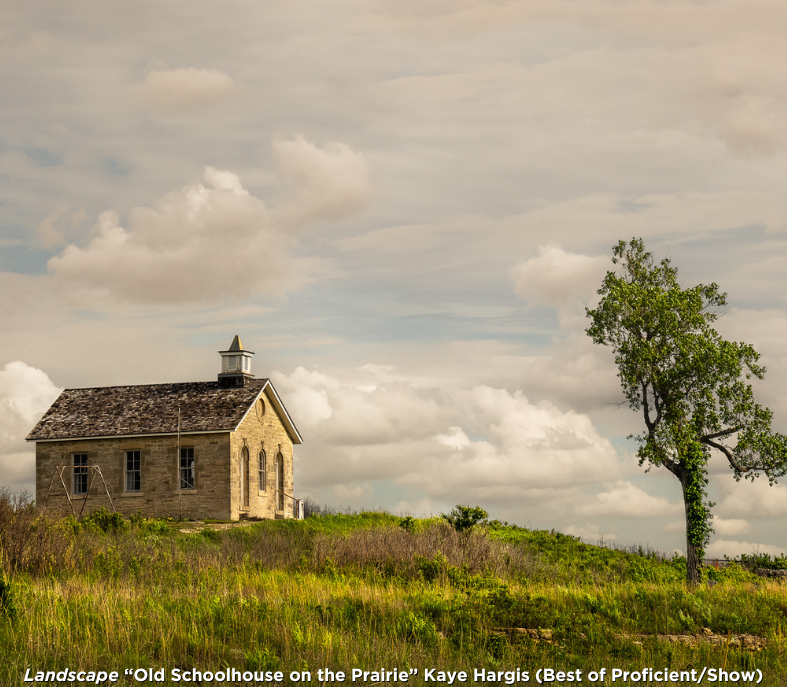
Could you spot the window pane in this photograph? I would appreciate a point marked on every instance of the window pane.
(132, 481)
(245, 478)
(230, 363)
(280, 480)
(133, 472)
(187, 468)
(80, 473)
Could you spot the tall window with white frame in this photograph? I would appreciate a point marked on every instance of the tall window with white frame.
(133, 470)
(80, 474)
(187, 468)
(263, 476)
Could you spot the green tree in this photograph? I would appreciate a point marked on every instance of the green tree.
(689, 383)
(465, 518)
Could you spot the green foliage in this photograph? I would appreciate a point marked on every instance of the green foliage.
(464, 518)
(764, 560)
(105, 521)
(433, 569)
(148, 525)
(211, 535)
(108, 563)
(335, 524)
(688, 382)
(414, 627)
(571, 560)
(731, 573)
(262, 659)
(71, 524)
(698, 508)
(408, 524)
(8, 607)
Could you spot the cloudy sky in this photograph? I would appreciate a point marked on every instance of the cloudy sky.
(403, 208)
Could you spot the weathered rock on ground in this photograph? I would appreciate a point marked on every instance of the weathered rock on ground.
(764, 572)
(743, 641)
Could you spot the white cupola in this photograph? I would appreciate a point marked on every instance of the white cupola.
(235, 365)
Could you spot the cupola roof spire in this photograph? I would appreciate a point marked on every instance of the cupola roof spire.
(235, 366)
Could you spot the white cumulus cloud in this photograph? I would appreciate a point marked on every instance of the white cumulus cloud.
(752, 500)
(557, 277)
(183, 89)
(731, 528)
(213, 239)
(25, 394)
(442, 443)
(591, 533)
(329, 182)
(201, 242)
(734, 549)
(455, 438)
(565, 281)
(307, 395)
(356, 493)
(626, 500)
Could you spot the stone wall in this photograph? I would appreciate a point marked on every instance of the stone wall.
(261, 429)
(159, 496)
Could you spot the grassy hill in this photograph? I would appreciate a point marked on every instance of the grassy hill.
(373, 592)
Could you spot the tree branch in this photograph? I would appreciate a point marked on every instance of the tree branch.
(728, 453)
(657, 405)
(672, 466)
(646, 410)
(723, 433)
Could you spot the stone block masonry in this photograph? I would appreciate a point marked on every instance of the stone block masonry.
(158, 496)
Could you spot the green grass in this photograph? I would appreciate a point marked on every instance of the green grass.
(343, 592)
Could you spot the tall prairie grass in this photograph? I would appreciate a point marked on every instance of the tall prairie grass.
(342, 592)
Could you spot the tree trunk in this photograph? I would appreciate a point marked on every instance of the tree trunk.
(693, 560)
(693, 564)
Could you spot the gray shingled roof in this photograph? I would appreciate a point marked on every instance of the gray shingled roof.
(147, 409)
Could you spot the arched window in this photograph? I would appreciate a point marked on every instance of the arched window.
(244, 477)
(280, 481)
(263, 468)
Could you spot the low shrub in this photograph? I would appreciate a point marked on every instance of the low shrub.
(764, 560)
(105, 521)
(7, 600)
(463, 518)
(30, 542)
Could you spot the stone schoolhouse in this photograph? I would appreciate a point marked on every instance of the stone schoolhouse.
(199, 450)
